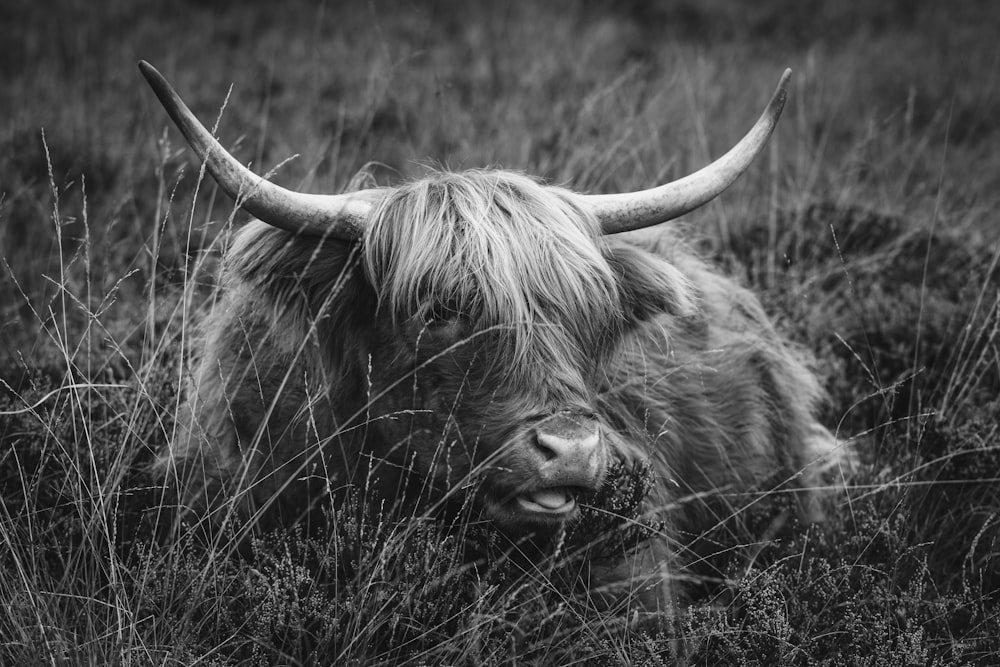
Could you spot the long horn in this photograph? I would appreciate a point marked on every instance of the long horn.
(635, 210)
(340, 216)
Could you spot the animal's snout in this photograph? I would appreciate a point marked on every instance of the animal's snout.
(571, 451)
(556, 447)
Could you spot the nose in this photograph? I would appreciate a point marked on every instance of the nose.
(571, 450)
(557, 447)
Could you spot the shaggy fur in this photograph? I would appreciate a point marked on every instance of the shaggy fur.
(480, 309)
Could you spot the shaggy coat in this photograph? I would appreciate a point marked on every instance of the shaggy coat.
(481, 323)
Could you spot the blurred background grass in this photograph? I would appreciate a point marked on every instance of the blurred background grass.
(894, 109)
(894, 105)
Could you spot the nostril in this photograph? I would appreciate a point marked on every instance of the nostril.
(555, 447)
(550, 445)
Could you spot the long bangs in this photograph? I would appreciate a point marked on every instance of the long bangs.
(497, 247)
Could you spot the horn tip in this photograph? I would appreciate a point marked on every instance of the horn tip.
(150, 73)
(163, 90)
(780, 93)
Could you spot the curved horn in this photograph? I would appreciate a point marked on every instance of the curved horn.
(635, 210)
(341, 216)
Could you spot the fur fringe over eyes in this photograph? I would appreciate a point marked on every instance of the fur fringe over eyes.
(499, 248)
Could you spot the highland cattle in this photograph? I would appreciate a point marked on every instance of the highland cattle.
(482, 337)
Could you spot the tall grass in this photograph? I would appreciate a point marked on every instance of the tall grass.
(868, 228)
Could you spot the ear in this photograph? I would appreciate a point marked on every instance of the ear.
(650, 285)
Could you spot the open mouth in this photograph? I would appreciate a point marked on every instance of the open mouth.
(554, 501)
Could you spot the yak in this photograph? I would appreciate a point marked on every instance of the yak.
(482, 336)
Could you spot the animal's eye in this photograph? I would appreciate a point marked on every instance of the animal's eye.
(442, 313)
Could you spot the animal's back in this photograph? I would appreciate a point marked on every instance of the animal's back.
(721, 402)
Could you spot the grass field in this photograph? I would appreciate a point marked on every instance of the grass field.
(869, 227)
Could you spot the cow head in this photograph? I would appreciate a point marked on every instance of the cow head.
(497, 308)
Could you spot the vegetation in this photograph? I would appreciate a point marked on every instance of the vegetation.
(869, 227)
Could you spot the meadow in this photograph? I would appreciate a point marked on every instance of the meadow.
(869, 227)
